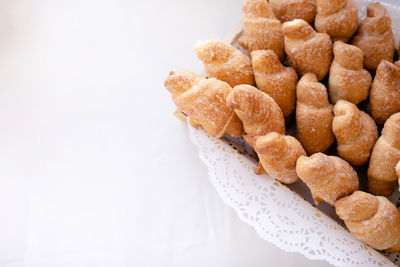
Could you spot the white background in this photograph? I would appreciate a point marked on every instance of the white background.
(94, 169)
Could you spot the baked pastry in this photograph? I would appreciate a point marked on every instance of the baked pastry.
(314, 115)
(277, 81)
(397, 63)
(375, 36)
(398, 172)
(347, 78)
(328, 177)
(224, 62)
(372, 219)
(355, 131)
(287, 10)
(382, 177)
(384, 99)
(258, 111)
(307, 51)
(278, 155)
(261, 29)
(338, 18)
(203, 101)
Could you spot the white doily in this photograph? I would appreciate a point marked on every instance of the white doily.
(278, 214)
(283, 215)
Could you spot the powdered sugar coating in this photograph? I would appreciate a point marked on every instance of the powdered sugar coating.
(337, 18)
(314, 115)
(382, 177)
(328, 177)
(374, 220)
(278, 155)
(277, 81)
(258, 111)
(287, 10)
(375, 37)
(384, 97)
(355, 132)
(204, 101)
(347, 78)
(307, 51)
(261, 30)
(224, 62)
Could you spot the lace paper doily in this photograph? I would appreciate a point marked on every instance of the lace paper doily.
(283, 215)
(278, 214)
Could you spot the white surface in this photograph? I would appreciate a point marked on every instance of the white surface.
(95, 170)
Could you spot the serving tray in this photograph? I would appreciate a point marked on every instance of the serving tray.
(285, 215)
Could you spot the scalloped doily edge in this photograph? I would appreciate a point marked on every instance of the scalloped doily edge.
(261, 234)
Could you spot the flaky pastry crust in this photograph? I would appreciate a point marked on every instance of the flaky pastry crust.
(372, 219)
(273, 78)
(314, 115)
(224, 62)
(347, 78)
(287, 10)
(382, 177)
(384, 99)
(337, 18)
(398, 172)
(355, 131)
(307, 51)
(278, 155)
(258, 111)
(261, 29)
(204, 102)
(328, 177)
(375, 36)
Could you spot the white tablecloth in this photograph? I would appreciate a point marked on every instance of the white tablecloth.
(94, 168)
